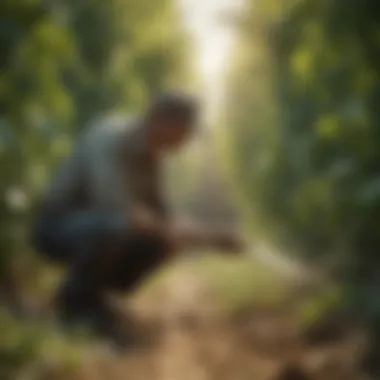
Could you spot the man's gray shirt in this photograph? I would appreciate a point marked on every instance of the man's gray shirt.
(110, 170)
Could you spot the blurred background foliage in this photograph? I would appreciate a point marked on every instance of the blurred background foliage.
(302, 128)
(299, 131)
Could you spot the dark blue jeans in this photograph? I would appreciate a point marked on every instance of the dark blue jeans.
(101, 254)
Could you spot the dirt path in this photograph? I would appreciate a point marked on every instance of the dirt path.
(186, 336)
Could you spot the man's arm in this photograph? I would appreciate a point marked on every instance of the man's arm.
(185, 234)
(157, 201)
(110, 185)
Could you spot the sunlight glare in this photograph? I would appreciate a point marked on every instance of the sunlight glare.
(213, 40)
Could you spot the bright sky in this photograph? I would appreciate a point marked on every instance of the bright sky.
(213, 41)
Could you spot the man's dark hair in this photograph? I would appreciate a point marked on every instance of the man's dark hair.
(175, 105)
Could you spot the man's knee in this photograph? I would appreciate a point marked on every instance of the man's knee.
(45, 241)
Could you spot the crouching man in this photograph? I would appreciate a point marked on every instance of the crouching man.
(104, 215)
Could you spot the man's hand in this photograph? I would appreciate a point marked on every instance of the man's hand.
(186, 235)
(180, 236)
(146, 222)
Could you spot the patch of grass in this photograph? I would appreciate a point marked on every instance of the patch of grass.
(318, 306)
(238, 282)
(235, 281)
(29, 350)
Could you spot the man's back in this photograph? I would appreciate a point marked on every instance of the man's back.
(103, 148)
